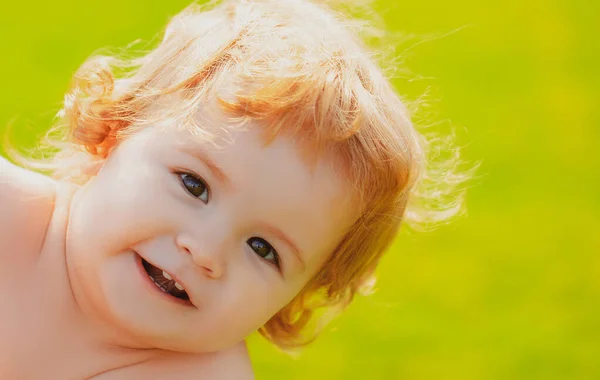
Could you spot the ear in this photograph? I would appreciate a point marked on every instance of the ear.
(92, 168)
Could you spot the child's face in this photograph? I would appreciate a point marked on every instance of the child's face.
(149, 201)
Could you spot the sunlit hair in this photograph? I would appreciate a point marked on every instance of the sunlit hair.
(294, 67)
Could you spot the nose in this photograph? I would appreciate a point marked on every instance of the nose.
(206, 258)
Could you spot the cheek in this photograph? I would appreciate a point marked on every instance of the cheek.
(119, 211)
(247, 314)
(249, 297)
(268, 301)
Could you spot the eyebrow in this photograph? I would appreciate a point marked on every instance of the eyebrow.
(289, 242)
(214, 169)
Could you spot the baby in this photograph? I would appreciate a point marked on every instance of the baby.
(248, 171)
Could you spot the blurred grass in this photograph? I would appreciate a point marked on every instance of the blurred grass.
(512, 291)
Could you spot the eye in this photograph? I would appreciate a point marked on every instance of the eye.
(264, 250)
(195, 186)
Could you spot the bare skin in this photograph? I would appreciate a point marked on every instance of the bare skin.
(43, 335)
(242, 234)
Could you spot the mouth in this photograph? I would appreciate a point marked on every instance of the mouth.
(165, 282)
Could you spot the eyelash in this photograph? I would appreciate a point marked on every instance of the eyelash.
(254, 242)
(184, 177)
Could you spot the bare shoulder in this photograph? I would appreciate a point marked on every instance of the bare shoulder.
(27, 202)
(232, 364)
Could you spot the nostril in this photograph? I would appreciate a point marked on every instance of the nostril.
(209, 267)
(184, 244)
(205, 259)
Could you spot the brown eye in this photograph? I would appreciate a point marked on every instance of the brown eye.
(265, 250)
(195, 186)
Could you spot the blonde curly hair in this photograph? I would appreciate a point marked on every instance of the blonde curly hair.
(296, 67)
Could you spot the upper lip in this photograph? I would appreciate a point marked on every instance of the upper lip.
(176, 278)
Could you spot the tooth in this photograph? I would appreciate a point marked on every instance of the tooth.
(178, 286)
(167, 276)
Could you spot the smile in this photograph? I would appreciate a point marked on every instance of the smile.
(165, 282)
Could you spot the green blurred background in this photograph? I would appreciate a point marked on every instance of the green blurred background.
(512, 291)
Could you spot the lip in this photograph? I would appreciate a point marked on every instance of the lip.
(154, 289)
